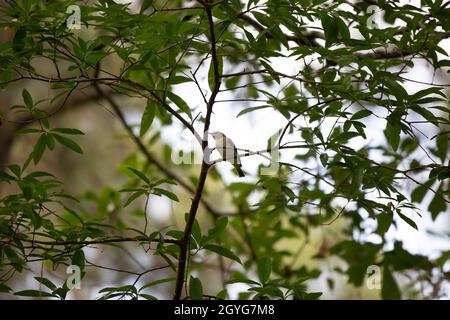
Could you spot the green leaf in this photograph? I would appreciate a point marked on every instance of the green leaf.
(218, 228)
(324, 158)
(384, 221)
(68, 131)
(33, 293)
(14, 168)
(211, 78)
(140, 175)
(312, 295)
(419, 193)
(50, 141)
(35, 217)
(408, 220)
(251, 109)
(343, 28)
(176, 234)
(394, 87)
(330, 28)
(15, 260)
(124, 288)
(4, 288)
(264, 269)
(39, 148)
(147, 117)
(392, 133)
(195, 289)
(184, 107)
(133, 197)
(27, 99)
(168, 194)
(243, 280)
(196, 232)
(361, 114)
(389, 289)
(18, 43)
(271, 71)
(437, 205)
(78, 259)
(68, 143)
(46, 282)
(442, 145)
(222, 251)
(179, 79)
(222, 295)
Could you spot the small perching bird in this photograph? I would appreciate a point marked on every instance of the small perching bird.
(228, 151)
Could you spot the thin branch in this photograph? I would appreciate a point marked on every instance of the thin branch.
(91, 242)
(184, 247)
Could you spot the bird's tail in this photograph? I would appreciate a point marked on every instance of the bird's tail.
(239, 171)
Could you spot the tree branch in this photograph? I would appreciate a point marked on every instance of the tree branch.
(184, 246)
(90, 242)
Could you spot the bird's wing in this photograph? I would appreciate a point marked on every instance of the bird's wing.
(227, 150)
(232, 154)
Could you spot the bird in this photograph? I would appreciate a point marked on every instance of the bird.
(228, 151)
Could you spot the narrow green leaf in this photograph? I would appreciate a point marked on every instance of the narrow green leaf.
(50, 141)
(39, 148)
(68, 143)
(343, 28)
(33, 293)
(222, 251)
(389, 289)
(14, 168)
(330, 28)
(184, 107)
(251, 109)
(148, 296)
(211, 76)
(27, 99)
(46, 282)
(168, 194)
(361, 114)
(133, 197)
(18, 43)
(437, 205)
(179, 79)
(195, 289)
(419, 193)
(442, 145)
(264, 269)
(147, 117)
(324, 159)
(408, 220)
(392, 133)
(384, 221)
(218, 228)
(4, 288)
(140, 175)
(78, 259)
(71, 131)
